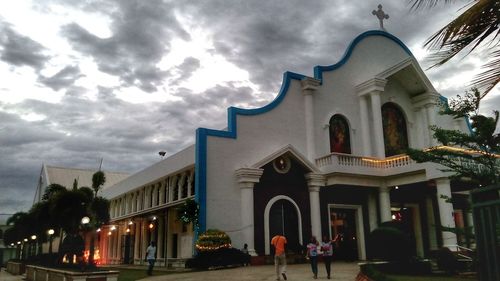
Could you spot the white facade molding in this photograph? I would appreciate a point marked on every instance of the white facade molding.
(373, 85)
(309, 85)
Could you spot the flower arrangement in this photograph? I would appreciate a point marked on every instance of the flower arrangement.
(213, 239)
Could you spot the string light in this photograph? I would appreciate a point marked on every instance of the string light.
(462, 150)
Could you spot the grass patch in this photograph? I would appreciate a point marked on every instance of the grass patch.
(430, 278)
(129, 274)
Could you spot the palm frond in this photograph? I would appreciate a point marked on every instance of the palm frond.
(418, 4)
(488, 79)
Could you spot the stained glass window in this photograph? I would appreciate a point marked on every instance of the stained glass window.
(340, 140)
(395, 134)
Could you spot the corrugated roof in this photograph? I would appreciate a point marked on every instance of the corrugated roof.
(66, 176)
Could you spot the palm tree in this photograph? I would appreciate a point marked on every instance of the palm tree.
(99, 209)
(479, 23)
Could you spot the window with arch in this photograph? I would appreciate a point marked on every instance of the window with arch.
(340, 139)
(395, 133)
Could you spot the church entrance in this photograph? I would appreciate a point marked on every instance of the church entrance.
(343, 225)
(283, 219)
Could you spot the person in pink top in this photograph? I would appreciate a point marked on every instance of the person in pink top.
(278, 242)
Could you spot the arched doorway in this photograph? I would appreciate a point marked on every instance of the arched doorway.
(282, 216)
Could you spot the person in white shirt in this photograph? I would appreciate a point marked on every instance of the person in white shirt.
(151, 256)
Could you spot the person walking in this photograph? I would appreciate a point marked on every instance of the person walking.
(312, 254)
(151, 256)
(327, 249)
(278, 242)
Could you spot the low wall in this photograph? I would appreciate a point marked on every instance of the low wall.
(38, 273)
(15, 268)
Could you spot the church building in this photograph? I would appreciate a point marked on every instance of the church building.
(325, 157)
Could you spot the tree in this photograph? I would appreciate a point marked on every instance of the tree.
(474, 156)
(51, 190)
(479, 23)
(98, 179)
(99, 210)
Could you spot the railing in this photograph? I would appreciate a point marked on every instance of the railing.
(361, 161)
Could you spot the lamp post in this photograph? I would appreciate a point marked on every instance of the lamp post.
(50, 232)
(33, 240)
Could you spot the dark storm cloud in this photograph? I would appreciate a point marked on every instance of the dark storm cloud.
(141, 34)
(65, 78)
(19, 50)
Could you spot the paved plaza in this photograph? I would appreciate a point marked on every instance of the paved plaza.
(341, 271)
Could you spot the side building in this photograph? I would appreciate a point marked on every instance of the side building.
(326, 157)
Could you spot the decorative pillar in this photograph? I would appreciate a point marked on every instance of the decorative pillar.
(365, 126)
(446, 212)
(144, 238)
(314, 182)
(385, 203)
(137, 240)
(424, 104)
(431, 224)
(161, 235)
(372, 211)
(374, 88)
(247, 178)
(378, 133)
(420, 134)
(309, 87)
(430, 110)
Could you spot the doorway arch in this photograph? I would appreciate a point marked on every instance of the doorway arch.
(267, 213)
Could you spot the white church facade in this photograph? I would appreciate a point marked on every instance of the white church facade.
(326, 157)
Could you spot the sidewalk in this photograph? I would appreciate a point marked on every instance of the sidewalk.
(340, 271)
(5, 276)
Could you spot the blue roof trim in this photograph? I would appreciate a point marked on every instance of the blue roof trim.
(201, 144)
(319, 69)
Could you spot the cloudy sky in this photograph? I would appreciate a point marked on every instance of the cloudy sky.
(122, 80)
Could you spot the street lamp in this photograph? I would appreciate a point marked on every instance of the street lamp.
(85, 220)
(50, 232)
(33, 237)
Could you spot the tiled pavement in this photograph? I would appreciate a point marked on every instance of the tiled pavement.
(341, 271)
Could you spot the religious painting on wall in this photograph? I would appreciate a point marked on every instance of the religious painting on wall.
(340, 140)
(395, 134)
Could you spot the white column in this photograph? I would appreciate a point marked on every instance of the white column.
(144, 240)
(378, 130)
(374, 88)
(247, 178)
(161, 236)
(372, 211)
(365, 126)
(446, 212)
(309, 87)
(430, 110)
(385, 203)
(314, 182)
(137, 240)
(420, 134)
(431, 224)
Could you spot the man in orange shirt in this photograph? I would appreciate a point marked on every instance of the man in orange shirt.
(279, 243)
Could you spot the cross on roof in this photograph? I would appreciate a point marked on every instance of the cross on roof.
(381, 16)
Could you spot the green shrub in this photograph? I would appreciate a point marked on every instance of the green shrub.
(218, 258)
(390, 243)
(447, 261)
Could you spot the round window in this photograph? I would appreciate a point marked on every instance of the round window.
(282, 164)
